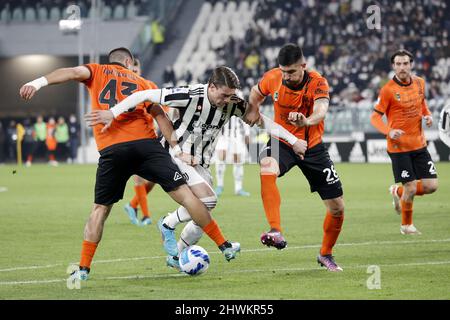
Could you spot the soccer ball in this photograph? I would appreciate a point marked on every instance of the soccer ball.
(194, 260)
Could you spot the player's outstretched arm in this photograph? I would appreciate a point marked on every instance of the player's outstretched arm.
(29, 89)
(255, 100)
(298, 145)
(106, 117)
(152, 95)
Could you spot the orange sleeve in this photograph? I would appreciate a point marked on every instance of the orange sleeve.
(425, 110)
(264, 84)
(152, 85)
(93, 68)
(383, 101)
(377, 121)
(322, 89)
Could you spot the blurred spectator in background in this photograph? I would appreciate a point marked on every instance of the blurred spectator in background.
(2, 143)
(11, 140)
(169, 76)
(28, 142)
(62, 139)
(51, 142)
(157, 31)
(349, 54)
(74, 138)
(40, 136)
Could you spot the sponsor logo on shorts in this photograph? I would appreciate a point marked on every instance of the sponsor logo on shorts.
(405, 174)
(177, 176)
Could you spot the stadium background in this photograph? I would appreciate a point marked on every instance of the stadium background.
(334, 35)
(44, 207)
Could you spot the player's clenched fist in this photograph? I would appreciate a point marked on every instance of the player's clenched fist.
(28, 90)
(396, 133)
(298, 119)
(300, 147)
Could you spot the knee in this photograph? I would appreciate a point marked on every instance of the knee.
(269, 166)
(430, 187)
(99, 214)
(336, 208)
(210, 202)
(409, 189)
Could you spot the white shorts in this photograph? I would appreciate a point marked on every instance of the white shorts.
(194, 175)
(232, 146)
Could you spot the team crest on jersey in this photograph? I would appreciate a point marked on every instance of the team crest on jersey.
(275, 96)
(397, 96)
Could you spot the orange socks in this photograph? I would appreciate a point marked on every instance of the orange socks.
(331, 228)
(419, 189)
(214, 232)
(407, 207)
(407, 210)
(141, 194)
(136, 199)
(271, 200)
(87, 253)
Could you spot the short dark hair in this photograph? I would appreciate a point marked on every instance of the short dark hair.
(402, 52)
(224, 76)
(289, 54)
(119, 54)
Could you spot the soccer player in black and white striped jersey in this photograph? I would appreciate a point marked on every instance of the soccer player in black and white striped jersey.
(232, 144)
(203, 110)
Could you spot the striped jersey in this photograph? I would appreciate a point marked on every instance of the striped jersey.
(198, 122)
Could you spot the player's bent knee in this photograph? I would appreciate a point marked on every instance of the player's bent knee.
(337, 210)
(269, 166)
(430, 187)
(335, 206)
(410, 189)
(210, 202)
(100, 211)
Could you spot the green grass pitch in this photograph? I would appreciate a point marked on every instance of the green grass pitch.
(43, 212)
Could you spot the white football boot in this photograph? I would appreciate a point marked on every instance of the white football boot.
(409, 229)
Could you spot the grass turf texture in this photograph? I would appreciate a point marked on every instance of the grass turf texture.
(43, 212)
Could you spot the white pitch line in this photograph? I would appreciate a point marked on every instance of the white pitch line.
(369, 243)
(32, 267)
(177, 275)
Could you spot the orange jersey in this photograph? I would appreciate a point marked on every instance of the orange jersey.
(108, 85)
(286, 100)
(404, 106)
(50, 141)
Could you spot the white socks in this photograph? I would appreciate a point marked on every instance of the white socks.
(190, 235)
(220, 172)
(176, 217)
(238, 172)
